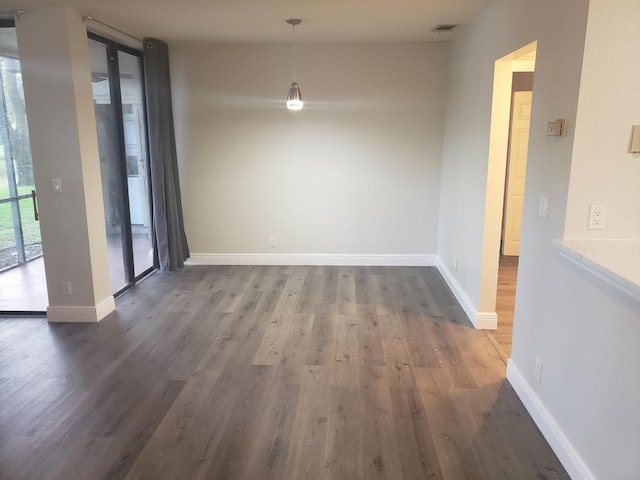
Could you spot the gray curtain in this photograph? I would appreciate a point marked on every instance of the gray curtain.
(171, 241)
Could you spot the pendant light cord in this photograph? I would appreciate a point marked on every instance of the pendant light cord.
(293, 43)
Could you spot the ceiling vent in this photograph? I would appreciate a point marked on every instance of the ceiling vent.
(445, 27)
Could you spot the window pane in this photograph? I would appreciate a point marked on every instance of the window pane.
(110, 169)
(22, 284)
(30, 230)
(131, 88)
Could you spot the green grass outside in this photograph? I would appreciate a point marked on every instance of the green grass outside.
(30, 227)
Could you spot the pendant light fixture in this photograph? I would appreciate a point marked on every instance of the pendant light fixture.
(294, 97)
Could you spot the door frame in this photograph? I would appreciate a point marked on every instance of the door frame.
(496, 171)
(112, 49)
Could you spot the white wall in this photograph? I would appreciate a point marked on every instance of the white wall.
(586, 334)
(356, 172)
(54, 56)
(604, 173)
(501, 29)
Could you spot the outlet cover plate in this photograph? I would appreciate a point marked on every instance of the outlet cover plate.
(597, 217)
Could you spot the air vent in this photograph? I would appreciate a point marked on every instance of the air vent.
(444, 27)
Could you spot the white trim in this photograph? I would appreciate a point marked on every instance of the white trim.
(107, 31)
(560, 444)
(105, 307)
(81, 313)
(486, 321)
(567, 249)
(311, 259)
(480, 320)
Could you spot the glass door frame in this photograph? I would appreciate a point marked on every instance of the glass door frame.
(112, 49)
(14, 199)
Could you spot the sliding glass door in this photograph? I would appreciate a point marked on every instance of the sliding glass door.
(22, 279)
(118, 93)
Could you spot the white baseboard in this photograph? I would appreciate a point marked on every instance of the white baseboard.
(81, 313)
(480, 320)
(105, 307)
(568, 456)
(311, 259)
(486, 321)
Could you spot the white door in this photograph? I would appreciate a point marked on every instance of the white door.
(516, 170)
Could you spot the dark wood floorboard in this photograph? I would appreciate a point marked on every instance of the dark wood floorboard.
(246, 372)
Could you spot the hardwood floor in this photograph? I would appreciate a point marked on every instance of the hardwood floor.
(505, 303)
(266, 373)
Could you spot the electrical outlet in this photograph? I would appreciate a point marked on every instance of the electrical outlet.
(66, 287)
(597, 217)
(273, 242)
(538, 371)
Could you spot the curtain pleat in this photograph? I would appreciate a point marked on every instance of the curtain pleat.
(171, 240)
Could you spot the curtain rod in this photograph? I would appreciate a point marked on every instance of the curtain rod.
(14, 13)
(91, 18)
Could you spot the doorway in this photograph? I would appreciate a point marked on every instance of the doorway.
(518, 143)
(119, 101)
(23, 285)
(498, 291)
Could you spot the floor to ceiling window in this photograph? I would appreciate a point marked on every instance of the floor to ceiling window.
(118, 93)
(22, 279)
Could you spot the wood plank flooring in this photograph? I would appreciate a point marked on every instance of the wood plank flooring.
(241, 372)
(505, 303)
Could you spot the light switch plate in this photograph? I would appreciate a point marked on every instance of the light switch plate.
(543, 208)
(56, 184)
(557, 128)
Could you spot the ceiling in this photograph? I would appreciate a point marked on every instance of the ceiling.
(263, 21)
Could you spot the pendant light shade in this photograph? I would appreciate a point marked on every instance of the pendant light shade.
(294, 97)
